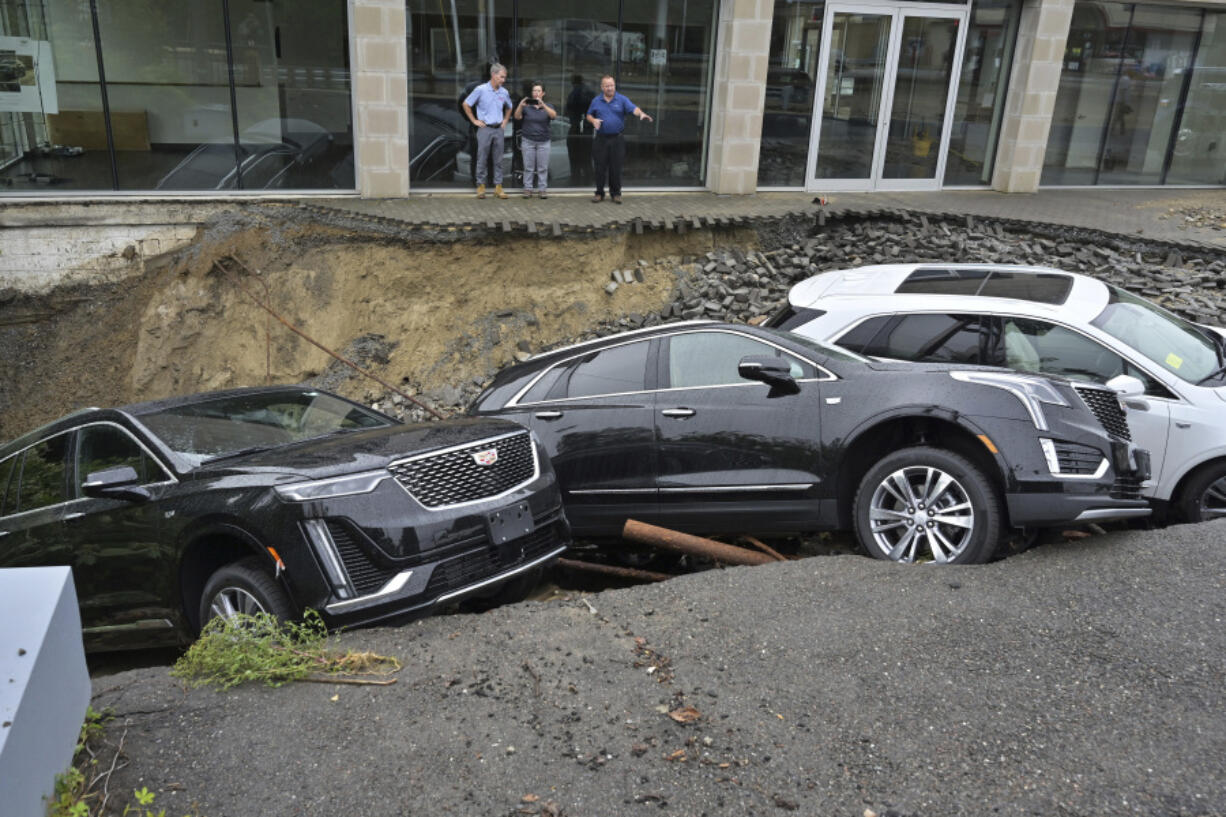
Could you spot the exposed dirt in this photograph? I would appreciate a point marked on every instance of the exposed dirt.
(427, 312)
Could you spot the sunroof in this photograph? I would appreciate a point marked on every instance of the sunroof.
(1040, 287)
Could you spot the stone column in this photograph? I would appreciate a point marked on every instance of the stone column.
(381, 101)
(742, 52)
(1037, 61)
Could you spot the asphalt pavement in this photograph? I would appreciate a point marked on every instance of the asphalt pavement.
(1082, 678)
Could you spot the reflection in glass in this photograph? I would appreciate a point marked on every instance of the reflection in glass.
(921, 89)
(1198, 153)
(982, 88)
(855, 78)
(55, 138)
(796, 39)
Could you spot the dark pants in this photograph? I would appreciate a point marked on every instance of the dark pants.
(608, 155)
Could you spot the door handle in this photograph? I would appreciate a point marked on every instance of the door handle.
(678, 412)
(5, 532)
(548, 415)
(1178, 424)
(70, 516)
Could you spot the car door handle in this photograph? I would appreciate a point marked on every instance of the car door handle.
(678, 412)
(5, 532)
(70, 516)
(548, 415)
(1179, 424)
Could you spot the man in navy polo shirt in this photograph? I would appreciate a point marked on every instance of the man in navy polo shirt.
(493, 109)
(607, 115)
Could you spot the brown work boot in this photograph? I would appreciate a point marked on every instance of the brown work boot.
(498, 191)
(480, 191)
(542, 195)
(596, 199)
(617, 199)
(527, 194)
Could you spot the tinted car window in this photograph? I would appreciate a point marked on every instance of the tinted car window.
(933, 338)
(1038, 346)
(789, 317)
(6, 476)
(104, 447)
(711, 358)
(44, 474)
(541, 388)
(862, 334)
(609, 371)
(943, 281)
(1041, 288)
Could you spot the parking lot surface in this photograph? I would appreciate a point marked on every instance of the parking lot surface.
(1081, 678)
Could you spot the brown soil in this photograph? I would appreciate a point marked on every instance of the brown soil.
(454, 311)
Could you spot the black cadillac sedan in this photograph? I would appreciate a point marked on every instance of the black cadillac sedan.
(722, 428)
(274, 500)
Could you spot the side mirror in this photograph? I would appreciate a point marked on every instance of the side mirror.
(774, 371)
(1130, 389)
(115, 483)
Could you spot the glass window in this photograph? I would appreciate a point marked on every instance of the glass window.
(1038, 346)
(1172, 343)
(104, 447)
(862, 334)
(791, 80)
(933, 338)
(227, 426)
(710, 359)
(921, 91)
(44, 474)
(1199, 146)
(609, 371)
(1121, 87)
(944, 281)
(540, 390)
(982, 88)
(1043, 288)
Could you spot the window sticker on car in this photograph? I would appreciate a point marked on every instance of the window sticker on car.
(1174, 361)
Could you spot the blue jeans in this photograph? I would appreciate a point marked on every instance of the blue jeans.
(489, 140)
(536, 163)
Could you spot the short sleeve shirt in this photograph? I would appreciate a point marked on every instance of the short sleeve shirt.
(612, 114)
(489, 104)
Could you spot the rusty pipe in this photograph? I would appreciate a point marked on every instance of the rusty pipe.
(613, 570)
(659, 537)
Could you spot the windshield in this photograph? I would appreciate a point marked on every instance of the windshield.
(217, 428)
(833, 352)
(1176, 345)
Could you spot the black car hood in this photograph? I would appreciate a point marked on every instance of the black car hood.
(354, 451)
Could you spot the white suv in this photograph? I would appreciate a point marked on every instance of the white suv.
(1036, 319)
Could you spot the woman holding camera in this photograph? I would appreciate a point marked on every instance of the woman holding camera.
(534, 139)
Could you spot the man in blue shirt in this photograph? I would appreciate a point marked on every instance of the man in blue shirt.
(607, 116)
(493, 109)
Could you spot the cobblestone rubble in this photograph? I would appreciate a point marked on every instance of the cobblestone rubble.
(738, 284)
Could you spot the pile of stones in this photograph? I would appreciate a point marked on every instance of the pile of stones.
(739, 285)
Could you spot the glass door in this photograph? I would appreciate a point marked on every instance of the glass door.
(886, 89)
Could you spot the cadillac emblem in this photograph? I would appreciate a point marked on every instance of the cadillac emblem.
(487, 457)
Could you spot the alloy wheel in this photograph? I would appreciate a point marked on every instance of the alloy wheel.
(232, 601)
(921, 512)
(1213, 500)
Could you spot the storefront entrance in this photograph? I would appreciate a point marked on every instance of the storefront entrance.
(886, 87)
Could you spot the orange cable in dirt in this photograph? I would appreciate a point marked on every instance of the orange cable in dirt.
(234, 280)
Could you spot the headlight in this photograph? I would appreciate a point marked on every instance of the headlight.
(1032, 391)
(362, 483)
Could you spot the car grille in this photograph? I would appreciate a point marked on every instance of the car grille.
(1106, 407)
(1077, 459)
(454, 477)
(1126, 487)
(365, 575)
(481, 563)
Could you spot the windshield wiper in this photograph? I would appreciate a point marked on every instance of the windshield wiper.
(255, 449)
(1218, 372)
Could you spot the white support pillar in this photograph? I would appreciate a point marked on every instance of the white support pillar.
(742, 54)
(381, 98)
(1037, 62)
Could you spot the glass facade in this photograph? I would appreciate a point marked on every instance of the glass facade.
(1141, 97)
(986, 61)
(136, 95)
(791, 82)
(659, 51)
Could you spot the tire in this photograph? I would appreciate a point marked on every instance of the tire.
(243, 587)
(1204, 497)
(896, 520)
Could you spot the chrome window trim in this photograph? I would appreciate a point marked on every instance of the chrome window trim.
(1179, 398)
(824, 374)
(636, 332)
(536, 469)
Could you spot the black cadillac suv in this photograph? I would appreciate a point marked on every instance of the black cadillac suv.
(722, 428)
(274, 500)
